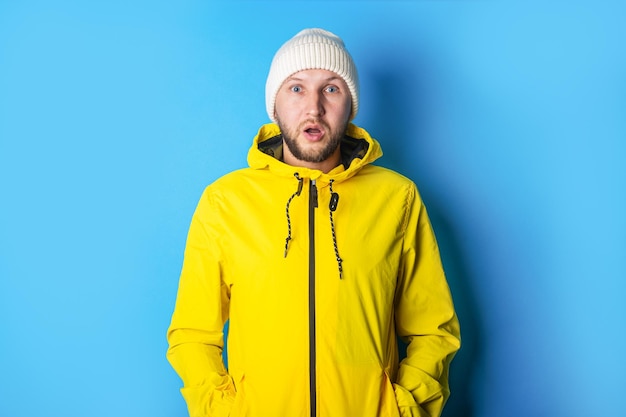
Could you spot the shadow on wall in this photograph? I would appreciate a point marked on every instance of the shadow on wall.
(399, 122)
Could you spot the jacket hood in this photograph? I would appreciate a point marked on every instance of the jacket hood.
(358, 149)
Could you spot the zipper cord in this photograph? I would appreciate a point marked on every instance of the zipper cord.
(334, 200)
(297, 193)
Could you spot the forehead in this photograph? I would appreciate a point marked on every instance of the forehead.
(315, 75)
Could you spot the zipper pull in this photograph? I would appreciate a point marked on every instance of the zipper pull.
(313, 194)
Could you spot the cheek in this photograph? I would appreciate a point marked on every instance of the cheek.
(283, 104)
(283, 111)
(347, 111)
(347, 107)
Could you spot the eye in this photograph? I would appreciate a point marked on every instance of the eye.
(331, 89)
(296, 89)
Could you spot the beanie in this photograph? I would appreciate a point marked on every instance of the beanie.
(311, 49)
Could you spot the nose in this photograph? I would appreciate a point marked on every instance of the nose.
(315, 104)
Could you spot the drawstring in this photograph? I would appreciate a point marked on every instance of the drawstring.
(332, 206)
(334, 200)
(297, 193)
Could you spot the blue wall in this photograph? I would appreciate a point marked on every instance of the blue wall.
(510, 116)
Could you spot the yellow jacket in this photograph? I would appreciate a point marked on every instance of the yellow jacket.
(316, 297)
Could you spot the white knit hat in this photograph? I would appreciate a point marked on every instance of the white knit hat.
(311, 49)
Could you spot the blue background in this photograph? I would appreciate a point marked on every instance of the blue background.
(509, 115)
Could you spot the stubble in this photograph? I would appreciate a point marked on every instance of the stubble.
(312, 155)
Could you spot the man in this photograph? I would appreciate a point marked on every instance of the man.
(319, 259)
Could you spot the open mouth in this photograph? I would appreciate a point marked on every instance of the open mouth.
(313, 131)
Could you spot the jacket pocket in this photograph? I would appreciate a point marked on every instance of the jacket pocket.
(407, 405)
(202, 401)
(388, 401)
(240, 408)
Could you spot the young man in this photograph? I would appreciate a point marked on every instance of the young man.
(319, 259)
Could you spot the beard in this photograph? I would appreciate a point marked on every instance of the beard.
(312, 155)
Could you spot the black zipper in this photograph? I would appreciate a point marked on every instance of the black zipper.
(312, 358)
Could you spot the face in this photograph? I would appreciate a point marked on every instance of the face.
(312, 110)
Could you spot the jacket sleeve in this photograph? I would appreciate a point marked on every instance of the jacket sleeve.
(195, 335)
(425, 318)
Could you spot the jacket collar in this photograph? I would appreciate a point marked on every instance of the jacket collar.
(358, 149)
